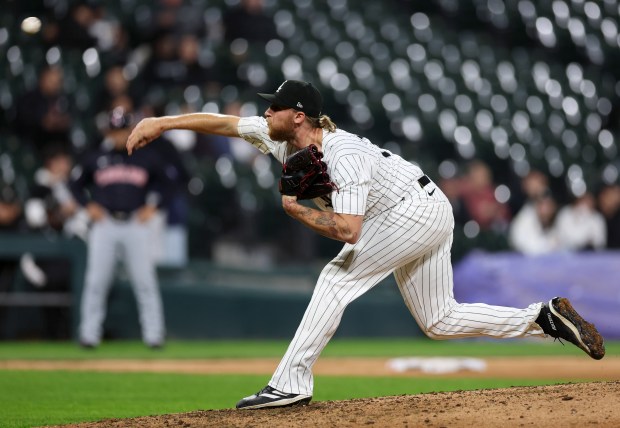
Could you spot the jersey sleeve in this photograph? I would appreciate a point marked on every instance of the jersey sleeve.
(255, 131)
(352, 173)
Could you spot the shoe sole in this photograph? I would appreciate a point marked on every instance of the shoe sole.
(280, 403)
(588, 338)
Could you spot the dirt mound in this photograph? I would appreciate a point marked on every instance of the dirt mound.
(567, 405)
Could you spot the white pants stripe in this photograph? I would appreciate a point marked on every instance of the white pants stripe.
(412, 241)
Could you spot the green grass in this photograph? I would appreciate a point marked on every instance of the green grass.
(273, 348)
(32, 398)
(47, 398)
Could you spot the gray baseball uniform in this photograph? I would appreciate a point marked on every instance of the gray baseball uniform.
(407, 230)
(121, 184)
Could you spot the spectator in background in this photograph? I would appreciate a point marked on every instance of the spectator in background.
(115, 85)
(176, 62)
(478, 196)
(10, 221)
(191, 70)
(580, 226)
(10, 208)
(609, 206)
(246, 30)
(50, 204)
(248, 21)
(535, 183)
(71, 31)
(162, 66)
(114, 43)
(179, 16)
(533, 230)
(50, 210)
(451, 187)
(43, 114)
(174, 216)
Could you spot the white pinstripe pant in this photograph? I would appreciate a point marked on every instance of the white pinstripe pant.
(413, 240)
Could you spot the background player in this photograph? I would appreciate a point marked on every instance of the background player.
(119, 193)
(392, 219)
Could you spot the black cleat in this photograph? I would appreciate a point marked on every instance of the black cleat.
(560, 320)
(87, 345)
(271, 397)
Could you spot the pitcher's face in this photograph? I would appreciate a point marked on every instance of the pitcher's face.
(281, 123)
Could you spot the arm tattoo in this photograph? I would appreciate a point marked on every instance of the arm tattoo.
(306, 212)
(326, 220)
(325, 223)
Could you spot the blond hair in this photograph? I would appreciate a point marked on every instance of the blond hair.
(324, 121)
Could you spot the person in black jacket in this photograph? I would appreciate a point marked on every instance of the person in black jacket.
(44, 114)
(121, 194)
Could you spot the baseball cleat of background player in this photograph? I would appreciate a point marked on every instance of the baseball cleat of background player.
(271, 397)
(560, 320)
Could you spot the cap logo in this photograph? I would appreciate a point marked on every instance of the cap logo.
(280, 87)
(300, 105)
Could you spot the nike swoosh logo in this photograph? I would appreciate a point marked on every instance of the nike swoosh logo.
(431, 192)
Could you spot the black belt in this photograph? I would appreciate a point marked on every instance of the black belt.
(120, 215)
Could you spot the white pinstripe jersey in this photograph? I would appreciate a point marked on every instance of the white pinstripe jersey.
(370, 180)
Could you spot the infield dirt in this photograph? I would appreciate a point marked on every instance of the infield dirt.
(569, 405)
(562, 405)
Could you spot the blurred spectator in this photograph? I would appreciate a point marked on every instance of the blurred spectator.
(169, 225)
(191, 70)
(51, 204)
(451, 187)
(533, 230)
(478, 195)
(10, 221)
(609, 206)
(177, 62)
(580, 226)
(115, 84)
(122, 194)
(43, 115)
(48, 210)
(532, 186)
(179, 16)
(175, 214)
(72, 30)
(162, 67)
(10, 208)
(246, 30)
(248, 21)
(120, 49)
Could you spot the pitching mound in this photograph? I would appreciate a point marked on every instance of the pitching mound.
(571, 405)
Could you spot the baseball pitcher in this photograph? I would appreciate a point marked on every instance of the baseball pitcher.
(391, 218)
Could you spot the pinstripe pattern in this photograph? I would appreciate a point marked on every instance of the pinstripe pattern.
(407, 231)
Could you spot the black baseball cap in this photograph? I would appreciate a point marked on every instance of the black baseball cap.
(120, 119)
(302, 96)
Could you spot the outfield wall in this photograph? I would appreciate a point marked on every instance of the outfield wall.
(204, 300)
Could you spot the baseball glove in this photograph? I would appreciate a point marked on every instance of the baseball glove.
(304, 175)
